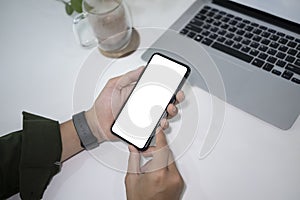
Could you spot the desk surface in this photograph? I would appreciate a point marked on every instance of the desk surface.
(40, 62)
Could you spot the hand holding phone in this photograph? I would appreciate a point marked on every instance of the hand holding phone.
(146, 105)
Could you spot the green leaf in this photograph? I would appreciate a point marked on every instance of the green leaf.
(69, 9)
(77, 5)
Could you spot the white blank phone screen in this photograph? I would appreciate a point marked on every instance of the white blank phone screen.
(149, 100)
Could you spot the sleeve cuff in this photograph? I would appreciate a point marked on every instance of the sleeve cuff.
(41, 154)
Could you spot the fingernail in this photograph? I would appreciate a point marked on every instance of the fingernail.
(174, 109)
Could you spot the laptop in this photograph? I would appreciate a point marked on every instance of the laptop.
(256, 48)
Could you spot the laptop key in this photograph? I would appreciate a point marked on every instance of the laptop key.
(232, 52)
(254, 44)
(205, 33)
(245, 49)
(287, 74)
(272, 59)
(293, 68)
(295, 80)
(274, 45)
(217, 23)
(281, 63)
(258, 63)
(248, 35)
(265, 41)
(256, 38)
(193, 28)
(263, 48)
(237, 45)
(221, 39)
(254, 52)
(275, 71)
(263, 27)
(246, 21)
(233, 22)
(249, 28)
(280, 55)
(292, 52)
(289, 37)
(222, 32)
(200, 17)
(241, 25)
(225, 19)
(271, 30)
(283, 48)
(232, 29)
(257, 31)
(218, 16)
(207, 41)
(229, 42)
(283, 41)
(272, 52)
(196, 22)
(274, 38)
(254, 24)
(240, 32)
(224, 26)
(214, 29)
(198, 38)
(210, 14)
(213, 36)
(290, 59)
(280, 34)
(237, 38)
(246, 41)
(297, 62)
(266, 34)
(268, 67)
(263, 56)
(292, 44)
(191, 34)
(184, 31)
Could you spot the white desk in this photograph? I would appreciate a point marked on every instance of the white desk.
(40, 61)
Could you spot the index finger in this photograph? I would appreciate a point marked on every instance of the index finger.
(160, 152)
(129, 77)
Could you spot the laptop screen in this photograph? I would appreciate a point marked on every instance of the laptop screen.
(286, 9)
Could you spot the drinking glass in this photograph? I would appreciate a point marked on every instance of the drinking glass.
(109, 21)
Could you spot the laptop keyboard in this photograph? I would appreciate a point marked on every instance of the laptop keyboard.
(262, 47)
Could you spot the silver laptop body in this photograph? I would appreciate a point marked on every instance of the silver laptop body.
(264, 94)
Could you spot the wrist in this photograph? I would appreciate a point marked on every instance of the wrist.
(93, 123)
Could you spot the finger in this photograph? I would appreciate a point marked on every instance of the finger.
(148, 152)
(130, 77)
(161, 153)
(172, 111)
(164, 123)
(161, 140)
(179, 97)
(133, 160)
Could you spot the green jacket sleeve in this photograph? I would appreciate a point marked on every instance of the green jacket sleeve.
(30, 158)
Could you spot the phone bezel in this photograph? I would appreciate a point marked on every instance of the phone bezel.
(172, 100)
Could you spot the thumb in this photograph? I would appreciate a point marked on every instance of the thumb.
(133, 160)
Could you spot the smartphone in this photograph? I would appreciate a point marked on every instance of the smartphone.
(155, 89)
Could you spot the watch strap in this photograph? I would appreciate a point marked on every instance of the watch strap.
(88, 140)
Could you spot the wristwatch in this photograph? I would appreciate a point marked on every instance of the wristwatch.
(88, 140)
